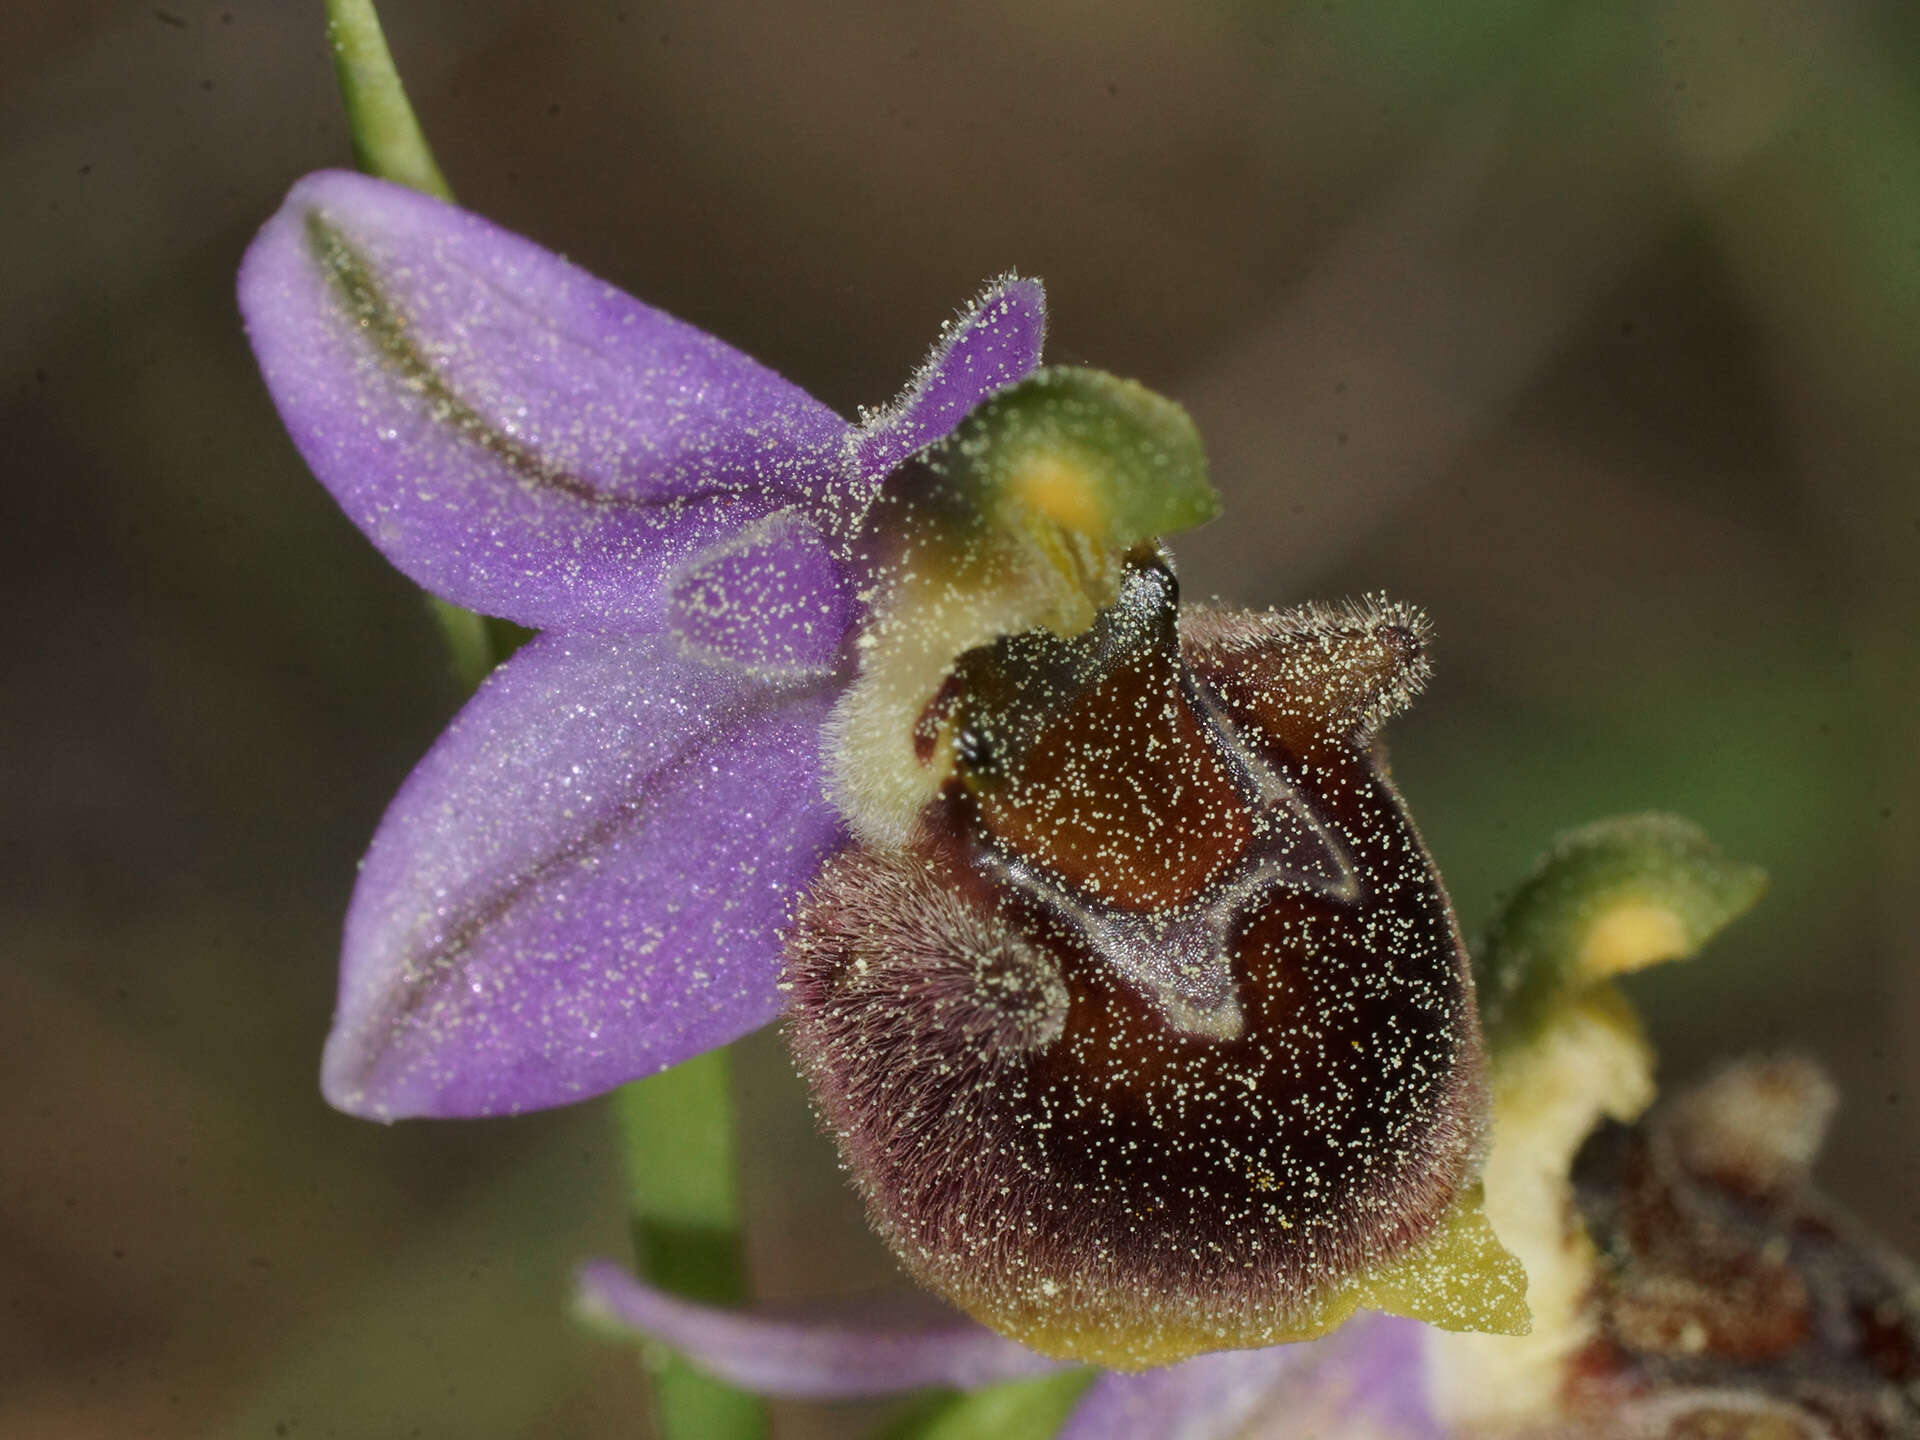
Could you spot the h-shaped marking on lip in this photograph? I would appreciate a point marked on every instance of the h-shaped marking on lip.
(1181, 958)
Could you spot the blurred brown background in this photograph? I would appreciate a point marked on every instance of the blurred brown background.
(1593, 328)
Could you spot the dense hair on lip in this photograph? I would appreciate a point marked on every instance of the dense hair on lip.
(1342, 669)
(881, 935)
(1042, 1105)
(1074, 1192)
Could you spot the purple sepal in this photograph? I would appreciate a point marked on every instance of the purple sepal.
(581, 882)
(994, 343)
(513, 433)
(812, 1359)
(770, 599)
(1365, 1382)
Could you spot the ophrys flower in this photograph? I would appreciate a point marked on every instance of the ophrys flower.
(1124, 982)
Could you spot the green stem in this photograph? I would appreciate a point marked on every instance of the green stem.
(387, 139)
(469, 646)
(677, 1134)
(1016, 1410)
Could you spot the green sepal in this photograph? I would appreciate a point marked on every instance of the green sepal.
(1014, 1410)
(1102, 458)
(1609, 898)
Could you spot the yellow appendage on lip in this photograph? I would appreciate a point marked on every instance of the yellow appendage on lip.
(1060, 487)
(1568, 1051)
(1633, 934)
(1020, 520)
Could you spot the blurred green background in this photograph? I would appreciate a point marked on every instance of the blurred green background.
(1595, 329)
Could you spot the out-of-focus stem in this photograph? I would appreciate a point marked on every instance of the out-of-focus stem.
(469, 643)
(676, 1131)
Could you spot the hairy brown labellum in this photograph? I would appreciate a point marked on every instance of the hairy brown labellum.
(1158, 1033)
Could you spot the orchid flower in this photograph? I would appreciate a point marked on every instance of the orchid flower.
(1121, 978)
(900, 725)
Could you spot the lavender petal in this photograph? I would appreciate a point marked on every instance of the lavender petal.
(770, 600)
(580, 884)
(994, 343)
(512, 433)
(1365, 1382)
(808, 1359)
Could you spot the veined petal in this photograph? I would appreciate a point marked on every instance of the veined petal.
(1363, 1383)
(580, 884)
(770, 600)
(811, 1359)
(994, 343)
(512, 433)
